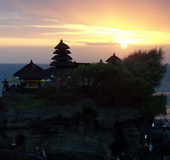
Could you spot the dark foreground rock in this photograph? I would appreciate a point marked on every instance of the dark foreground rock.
(15, 155)
(80, 131)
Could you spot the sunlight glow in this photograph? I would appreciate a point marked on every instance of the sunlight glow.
(82, 34)
(93, 29)
(124, 45)
(107, 34)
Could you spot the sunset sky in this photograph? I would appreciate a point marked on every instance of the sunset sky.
(94, 29)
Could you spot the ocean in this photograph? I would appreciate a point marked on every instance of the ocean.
(7, 70)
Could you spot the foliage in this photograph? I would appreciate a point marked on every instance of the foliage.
(20, 100)
(59, 94)
(130, 84)
(148, 66)
(109, 85)
(41, 104)
(155, 105)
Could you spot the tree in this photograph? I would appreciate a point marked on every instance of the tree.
(110, 85)
(130, 84)
(148, 66)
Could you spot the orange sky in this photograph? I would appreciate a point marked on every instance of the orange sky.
(94, 29)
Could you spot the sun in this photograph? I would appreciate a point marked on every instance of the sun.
(123, 43)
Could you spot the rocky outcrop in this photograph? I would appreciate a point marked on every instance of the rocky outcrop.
(80, 131)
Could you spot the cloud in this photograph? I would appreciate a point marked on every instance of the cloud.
(83, 23)
(122, 14)
(100, 44)
(90, 21)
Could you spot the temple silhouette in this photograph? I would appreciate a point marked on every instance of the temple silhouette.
(33, 76)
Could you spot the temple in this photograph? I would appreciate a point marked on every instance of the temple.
(32, 76)
(61, 61)
(113, 59)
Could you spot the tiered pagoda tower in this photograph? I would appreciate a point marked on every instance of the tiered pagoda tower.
(62, 59)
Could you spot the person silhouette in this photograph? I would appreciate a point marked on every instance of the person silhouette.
(44, 156)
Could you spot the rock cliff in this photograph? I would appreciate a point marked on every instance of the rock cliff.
(73, 131)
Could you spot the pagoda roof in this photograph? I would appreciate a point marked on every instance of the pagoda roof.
(113, 59)
(31, 71)
(62, 52)
(62, 45)
(62, 57)
(62, 63)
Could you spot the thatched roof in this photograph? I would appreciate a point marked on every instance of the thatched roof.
(62, 58)
(62, 63)
(62, 52)
(31, 71)
(62, 45)
(113, 59)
